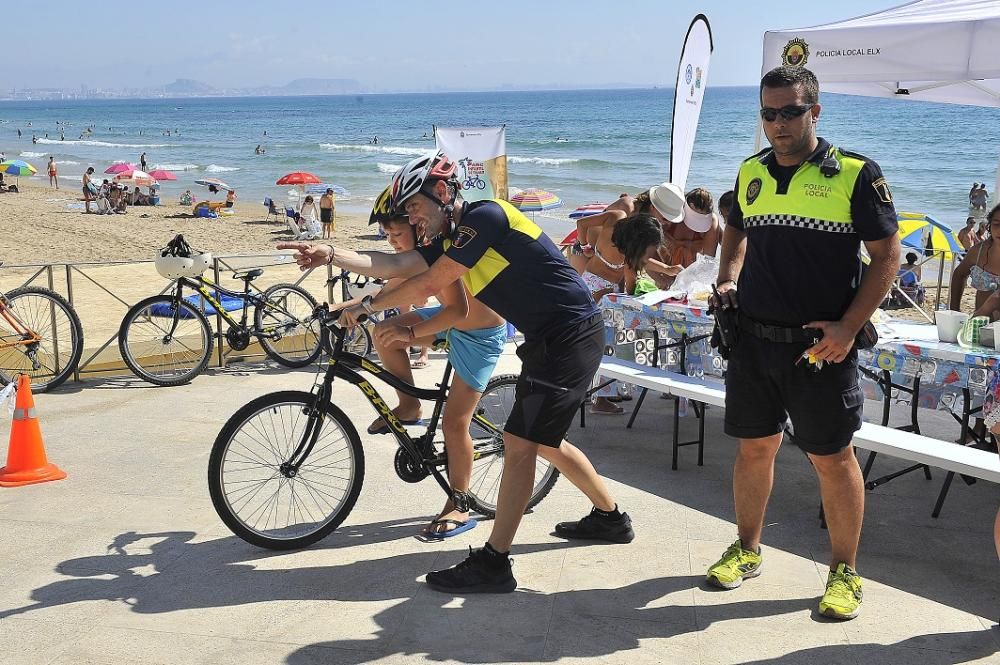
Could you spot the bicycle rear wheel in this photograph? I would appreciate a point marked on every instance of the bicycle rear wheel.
(487, 441)
(266, 507)
(165, 341)
(288, 314)
(50, 360)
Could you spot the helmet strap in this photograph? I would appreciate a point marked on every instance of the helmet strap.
(447, 208)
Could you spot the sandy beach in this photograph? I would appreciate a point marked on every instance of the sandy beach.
(42, 225)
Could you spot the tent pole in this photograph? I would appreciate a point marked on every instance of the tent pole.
(941, 279)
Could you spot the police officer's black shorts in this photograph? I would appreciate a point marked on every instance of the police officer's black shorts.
(556, 373)
(765, 388)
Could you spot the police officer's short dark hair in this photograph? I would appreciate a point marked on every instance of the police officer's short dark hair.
(786, 77)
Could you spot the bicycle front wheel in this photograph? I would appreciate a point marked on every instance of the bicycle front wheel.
(57, 338)
(487, 442)
(267, 505)
(286, 327)
(165, 341)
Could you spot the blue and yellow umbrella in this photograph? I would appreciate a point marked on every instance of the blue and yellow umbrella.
(17, 168)
(912, 226)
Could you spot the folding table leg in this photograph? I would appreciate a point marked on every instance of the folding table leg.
(944, 492)
(635, 412)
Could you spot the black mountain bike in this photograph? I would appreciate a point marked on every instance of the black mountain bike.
(287, 468)
(167, 339)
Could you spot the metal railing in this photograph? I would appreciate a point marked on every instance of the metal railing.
(79, 271)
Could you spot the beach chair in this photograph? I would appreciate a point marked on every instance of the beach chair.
(290, 213)
(272, 210)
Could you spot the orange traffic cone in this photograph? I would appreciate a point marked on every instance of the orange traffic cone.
(26, 461)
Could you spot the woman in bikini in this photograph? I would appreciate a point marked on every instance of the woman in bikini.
(980, 269)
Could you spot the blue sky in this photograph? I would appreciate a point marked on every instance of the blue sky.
(392, 45)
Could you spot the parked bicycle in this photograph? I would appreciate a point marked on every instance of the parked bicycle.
(167, 339)
(358, 339)
(40, 335)
(287, 467)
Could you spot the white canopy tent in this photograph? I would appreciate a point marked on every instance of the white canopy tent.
(927, 50)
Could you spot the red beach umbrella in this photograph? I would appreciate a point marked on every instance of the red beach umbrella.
(298, 178)
(160, 174)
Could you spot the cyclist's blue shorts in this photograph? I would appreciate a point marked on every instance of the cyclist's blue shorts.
(473, 353)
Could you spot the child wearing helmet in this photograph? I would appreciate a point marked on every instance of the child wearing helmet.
(474, 337)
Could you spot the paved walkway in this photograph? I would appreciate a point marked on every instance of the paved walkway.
(126, 562)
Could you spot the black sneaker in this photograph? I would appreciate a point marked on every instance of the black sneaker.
(481, 572)
(596, 526)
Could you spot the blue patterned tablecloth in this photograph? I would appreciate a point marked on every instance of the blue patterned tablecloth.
(630, 326)
(908, 350)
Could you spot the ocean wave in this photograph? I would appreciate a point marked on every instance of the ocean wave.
(215, 168)
(103, 144)
(175, 167)
(386, 149)
(65, 161)
(33, 154)
(543, 161)
(387, 168)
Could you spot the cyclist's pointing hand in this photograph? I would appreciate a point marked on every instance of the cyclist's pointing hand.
(309, 255)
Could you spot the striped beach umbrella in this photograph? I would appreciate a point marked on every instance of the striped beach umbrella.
(533, 200)
(914, 225)
(17, 168)
(588, 210)
(135, 177)
(212, 182)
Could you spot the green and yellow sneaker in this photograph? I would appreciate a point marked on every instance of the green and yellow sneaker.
(842, 599)
(736, 565)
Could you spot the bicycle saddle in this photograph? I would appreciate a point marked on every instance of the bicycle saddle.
(248, 275)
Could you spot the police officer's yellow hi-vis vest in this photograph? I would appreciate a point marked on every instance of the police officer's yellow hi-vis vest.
(812, 201)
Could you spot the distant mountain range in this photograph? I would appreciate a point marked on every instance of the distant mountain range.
(305, 86)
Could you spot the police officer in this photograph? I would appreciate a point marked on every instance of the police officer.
(803, 207)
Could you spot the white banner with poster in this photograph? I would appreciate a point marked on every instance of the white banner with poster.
(481, 155)
(692, 78)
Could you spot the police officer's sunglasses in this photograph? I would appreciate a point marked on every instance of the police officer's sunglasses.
(790, 112)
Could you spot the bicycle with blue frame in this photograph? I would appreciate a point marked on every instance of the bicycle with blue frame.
(287, 468)
(167, 339)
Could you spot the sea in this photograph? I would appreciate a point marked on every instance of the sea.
(582, 145)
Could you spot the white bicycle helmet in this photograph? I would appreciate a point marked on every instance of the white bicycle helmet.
(411, 179)
(178, 260)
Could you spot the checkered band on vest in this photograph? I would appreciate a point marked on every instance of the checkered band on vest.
(798, 222)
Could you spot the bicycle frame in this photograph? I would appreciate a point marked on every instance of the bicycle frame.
(248, 297)
(24, 335)
(348, 366)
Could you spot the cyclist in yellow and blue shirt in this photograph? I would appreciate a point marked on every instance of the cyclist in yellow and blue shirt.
(510, 265)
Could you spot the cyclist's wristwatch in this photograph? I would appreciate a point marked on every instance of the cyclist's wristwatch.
(366, 302)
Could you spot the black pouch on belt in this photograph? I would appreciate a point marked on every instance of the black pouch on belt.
(725, 334)
(867, 337)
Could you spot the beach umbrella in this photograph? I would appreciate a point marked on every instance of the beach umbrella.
(17, 168)
(135, 177)
(212, 182)
(162, 175)
(120, 167)
(298, 178)
(588, 210)
(533, 200)
(914, 225)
